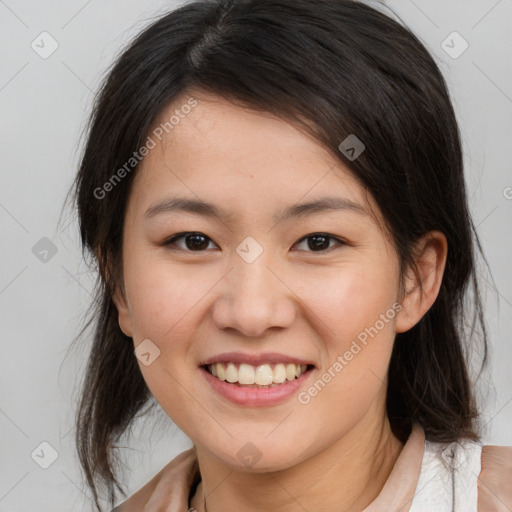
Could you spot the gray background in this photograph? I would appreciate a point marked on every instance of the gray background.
(44, 105)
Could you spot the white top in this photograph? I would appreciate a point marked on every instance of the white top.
(448, 480)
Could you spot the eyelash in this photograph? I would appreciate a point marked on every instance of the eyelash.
(171, 241)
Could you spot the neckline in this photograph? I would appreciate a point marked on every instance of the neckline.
(400, 487)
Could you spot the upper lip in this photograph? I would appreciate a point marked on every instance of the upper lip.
(254, 359)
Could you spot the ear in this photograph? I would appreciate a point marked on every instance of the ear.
(430, 256)
(119, 297)
(125, 322)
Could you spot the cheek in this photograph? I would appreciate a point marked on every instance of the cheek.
(350, 298)
(162, 297)
(354, 315)
(165, 305)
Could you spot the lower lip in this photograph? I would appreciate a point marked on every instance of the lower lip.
(255, 397)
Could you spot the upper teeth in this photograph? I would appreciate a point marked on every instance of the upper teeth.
(263, 374)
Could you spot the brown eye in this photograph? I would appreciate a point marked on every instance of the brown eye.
(194, 242)
(319, 242)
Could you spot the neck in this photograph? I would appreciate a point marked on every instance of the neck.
(346, 476)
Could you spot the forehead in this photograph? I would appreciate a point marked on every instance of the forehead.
(240, 159)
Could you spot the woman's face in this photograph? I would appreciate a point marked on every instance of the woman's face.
(255, 281)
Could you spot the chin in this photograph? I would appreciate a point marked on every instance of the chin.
(258, 456)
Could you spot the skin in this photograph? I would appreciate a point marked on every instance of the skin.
(336, 452)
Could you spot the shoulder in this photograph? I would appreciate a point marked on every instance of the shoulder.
(495, 479)
(170, 485)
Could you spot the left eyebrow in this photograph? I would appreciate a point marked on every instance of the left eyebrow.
(323, 204)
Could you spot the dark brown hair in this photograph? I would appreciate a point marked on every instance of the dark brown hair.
(334, 68)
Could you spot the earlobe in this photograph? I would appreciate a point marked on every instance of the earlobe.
(123, 312)
(422, 289)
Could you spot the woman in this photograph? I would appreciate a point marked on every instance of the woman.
(274, 194)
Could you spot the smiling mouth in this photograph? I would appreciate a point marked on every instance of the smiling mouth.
(257, 376)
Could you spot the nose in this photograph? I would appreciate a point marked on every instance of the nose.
(254, 298)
